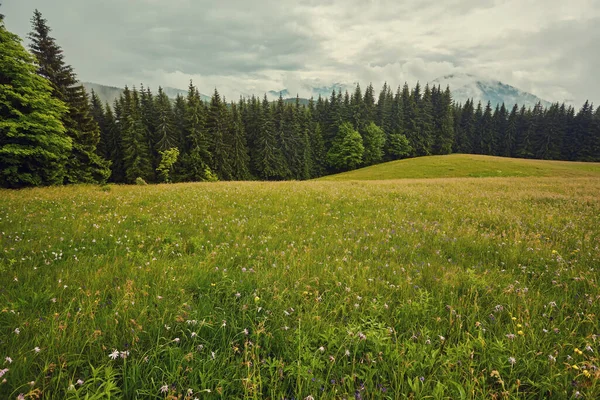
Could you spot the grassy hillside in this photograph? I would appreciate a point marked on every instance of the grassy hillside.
(447, 288)
(468, 165)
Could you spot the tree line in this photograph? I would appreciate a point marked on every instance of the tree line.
(51, 132)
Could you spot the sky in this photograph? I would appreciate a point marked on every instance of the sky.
(550, 48)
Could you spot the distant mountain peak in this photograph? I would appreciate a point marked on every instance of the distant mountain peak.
(468, 86)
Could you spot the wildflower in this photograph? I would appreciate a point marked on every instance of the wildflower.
(3, 371)
(21, 396)
(176, 340)
(79, 382)
(124, 354)
(589, 348)
(194, 334)
(422, 379)
(8, 360)
(224, 324)
(164, 389)
(213, 355)
(551, 358)
(37, 349)
(510, 336)
(238, 295)
(17, 331)
(575, 367)
(114, 355)
(442, 338)
(321, 349)
(245, 331)
(71, 387)
(520, 333)
(587, 373)
(332, 358)
(190, 392)
(256, 299)
(347, 353)
(362, 336)
(512, 360)
(577, 351)
(309, 397)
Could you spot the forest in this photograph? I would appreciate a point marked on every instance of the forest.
(52, 132)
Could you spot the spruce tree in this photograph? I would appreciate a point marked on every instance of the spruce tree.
(239, 149)
(83, 164)
(33, 145)
(319, 154)
(217, 126)
(165, 135)
(269, 163)
(136, 150)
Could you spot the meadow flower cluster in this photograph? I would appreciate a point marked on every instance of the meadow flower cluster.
(467, 288)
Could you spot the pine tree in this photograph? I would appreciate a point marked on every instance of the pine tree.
(239, 149)
(83, 164)
(409, 108)
(165, 135)
(136, 150)
(97, 112)
(423, 140)
(319, 154)
(443, 132)
(217, 126)
(269, 162)
(509, 141)
(114, 143)
(33, 144)
(466, 134)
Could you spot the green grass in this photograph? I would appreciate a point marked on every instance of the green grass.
(468, 165)
(442, 289)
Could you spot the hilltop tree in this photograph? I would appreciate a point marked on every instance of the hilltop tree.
(83, 164)
(33, 145)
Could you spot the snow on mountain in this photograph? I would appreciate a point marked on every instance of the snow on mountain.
(467, 86)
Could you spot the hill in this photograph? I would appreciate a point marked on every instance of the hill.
(468, 165)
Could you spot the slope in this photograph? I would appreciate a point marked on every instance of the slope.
(468, 165)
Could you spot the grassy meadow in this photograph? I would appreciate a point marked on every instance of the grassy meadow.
(468, 166)
(453, 288)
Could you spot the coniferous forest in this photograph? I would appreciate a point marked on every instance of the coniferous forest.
(53, 132)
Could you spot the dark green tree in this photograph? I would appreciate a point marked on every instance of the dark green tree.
(33, 145)
(373, 142)
(347, 150)
(84, 165)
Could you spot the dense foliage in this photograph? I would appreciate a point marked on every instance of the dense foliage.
(287, 139)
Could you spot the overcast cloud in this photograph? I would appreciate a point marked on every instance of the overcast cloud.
(547, 47)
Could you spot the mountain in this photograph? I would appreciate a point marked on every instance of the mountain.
(467, 86)
(306, 91)
(108, 94)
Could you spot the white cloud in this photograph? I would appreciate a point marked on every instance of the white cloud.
(548, 47)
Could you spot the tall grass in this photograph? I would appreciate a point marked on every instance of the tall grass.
(455, 288)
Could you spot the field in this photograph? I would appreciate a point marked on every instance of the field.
(469, 166)
(452, 288)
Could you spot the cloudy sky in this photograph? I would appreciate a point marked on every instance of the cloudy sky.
(548, 47)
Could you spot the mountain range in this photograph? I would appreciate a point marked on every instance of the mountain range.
(462, 86)
(467, 86)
